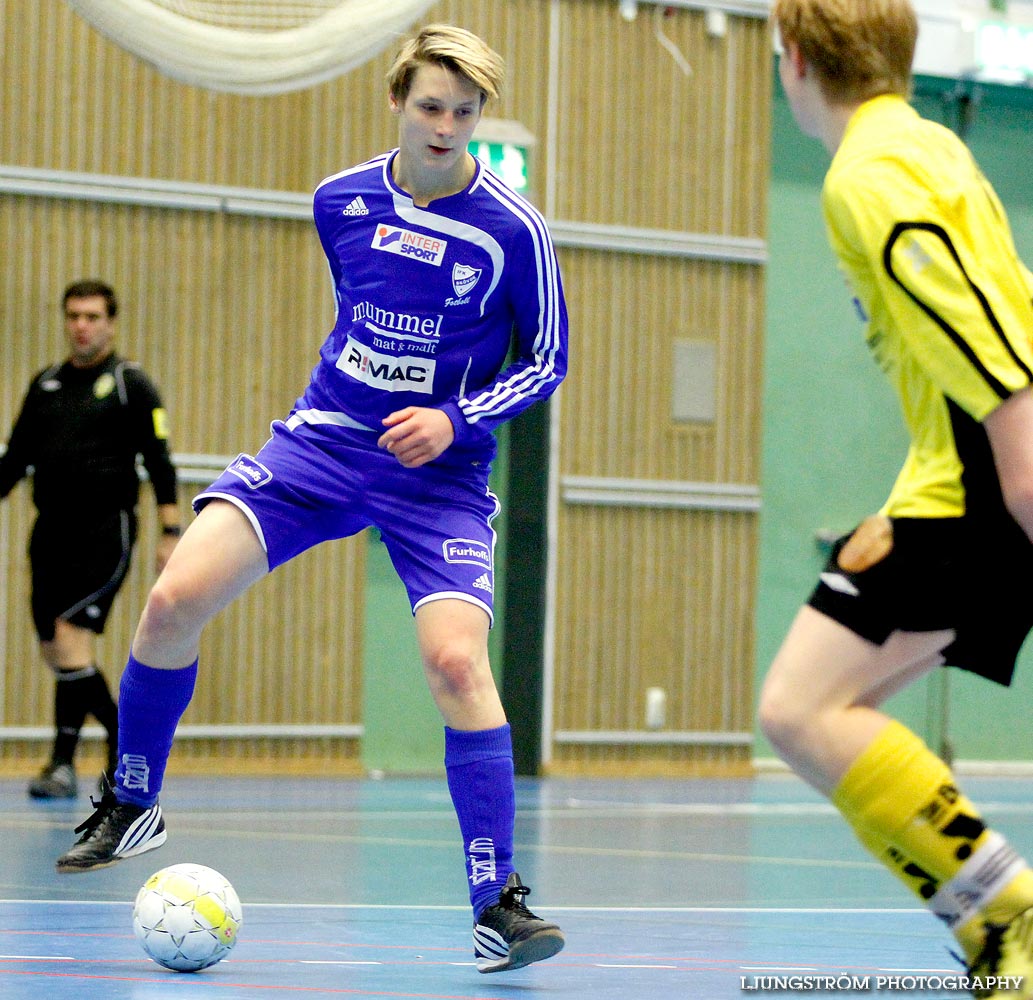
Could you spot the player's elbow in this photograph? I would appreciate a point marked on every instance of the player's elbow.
(1009, 428)
(1018, 499)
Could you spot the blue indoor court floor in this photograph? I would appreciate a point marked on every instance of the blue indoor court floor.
(355, 888)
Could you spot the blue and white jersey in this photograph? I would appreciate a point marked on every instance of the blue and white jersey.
(429, 302)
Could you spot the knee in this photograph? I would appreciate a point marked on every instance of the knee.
(169, 608)
(782, 717)
(452, 666)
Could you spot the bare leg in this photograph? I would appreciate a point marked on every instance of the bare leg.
(819, 702)
(72, 646)
(453, 638)
(216, 560)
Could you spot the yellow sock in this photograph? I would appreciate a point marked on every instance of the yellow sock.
(1015, 897)
(970, 934)
(902, 802)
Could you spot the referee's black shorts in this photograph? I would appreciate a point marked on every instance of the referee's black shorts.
(942, 573)
(78, 565)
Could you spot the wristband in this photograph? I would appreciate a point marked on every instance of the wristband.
(171, 529)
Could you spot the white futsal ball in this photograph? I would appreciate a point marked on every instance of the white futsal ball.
(187, 917)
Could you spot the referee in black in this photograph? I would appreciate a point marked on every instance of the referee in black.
(83, 425)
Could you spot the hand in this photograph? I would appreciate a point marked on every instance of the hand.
(416, 435)
(163, 552)
(870, 543)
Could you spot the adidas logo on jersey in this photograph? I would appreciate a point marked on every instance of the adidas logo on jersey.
(483, 582)
(356, 207)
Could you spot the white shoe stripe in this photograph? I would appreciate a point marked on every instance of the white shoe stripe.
(488, 943)
(141, 830)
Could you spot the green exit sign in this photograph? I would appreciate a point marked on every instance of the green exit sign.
(507, 160)
(1005, 50)
(504, 146)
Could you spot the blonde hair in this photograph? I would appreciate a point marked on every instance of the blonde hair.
(457, 50)
(858, 48)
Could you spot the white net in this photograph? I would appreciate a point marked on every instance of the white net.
(250, 16)
(256, 47)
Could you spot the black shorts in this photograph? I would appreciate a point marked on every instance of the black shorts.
(942, 573)
(77, 568)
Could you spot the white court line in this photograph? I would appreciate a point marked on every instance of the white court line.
(813, 968)
(779, 968)
(37, 958)
(462, 908)
(573, 809)
(590, 808)
(927, 972)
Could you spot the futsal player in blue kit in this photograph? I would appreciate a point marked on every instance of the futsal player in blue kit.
(438, 268)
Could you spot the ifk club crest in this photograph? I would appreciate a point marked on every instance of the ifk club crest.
(464, 278)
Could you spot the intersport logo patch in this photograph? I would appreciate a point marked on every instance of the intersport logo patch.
(406, 243)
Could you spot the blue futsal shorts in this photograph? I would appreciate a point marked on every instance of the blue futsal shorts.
(311, 484)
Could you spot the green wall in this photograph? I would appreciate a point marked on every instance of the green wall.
(833, 439)
(403, 732)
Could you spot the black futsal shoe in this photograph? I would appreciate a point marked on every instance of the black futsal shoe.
(115, 831)
(507, 935)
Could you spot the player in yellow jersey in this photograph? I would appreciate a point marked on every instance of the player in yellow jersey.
(939, 574)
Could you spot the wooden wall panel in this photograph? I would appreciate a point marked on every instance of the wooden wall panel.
(230, 332)
(112, 114)
(120, 116)
(641, 143)
(269, 660)
(226, 312)
(650, 595)
(616, 402)
(654, 599)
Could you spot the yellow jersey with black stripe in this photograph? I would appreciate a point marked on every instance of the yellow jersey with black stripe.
(925, 245)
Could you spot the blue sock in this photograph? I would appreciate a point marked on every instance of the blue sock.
(150, 705)
(479, 767)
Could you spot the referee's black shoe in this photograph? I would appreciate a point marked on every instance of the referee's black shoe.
(115, 831)
(55, 781)
(507, 935)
